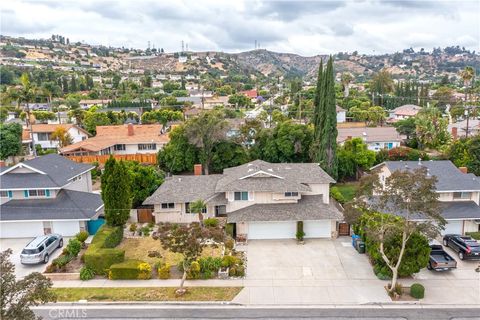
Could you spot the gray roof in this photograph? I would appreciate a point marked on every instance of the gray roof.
(307, 208)
(460, 210)
(58, 171)
(450, 178)
(68, 204)
(184, 189)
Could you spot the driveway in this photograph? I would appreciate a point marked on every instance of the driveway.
(17, 245)
(319, 272)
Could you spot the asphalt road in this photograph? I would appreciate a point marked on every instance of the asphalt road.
(157, 312)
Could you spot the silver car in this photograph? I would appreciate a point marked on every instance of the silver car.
(39, 249)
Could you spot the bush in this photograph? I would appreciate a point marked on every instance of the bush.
(210, 222)
(62, 261)
(194, 271)
(417, 291)
(164, 272)
(229, 243)
(207, 275)
(151, 225)
(145, 231)
(474, 235)
(232, 271)
(210, 264)
(100, 255)
(82, 236)
(240, 271)
(86, 274)
(130, 270)
(229, 261)
(300, 233)
(180, 266)
(133, 227)
(73, 247)
(337, 195)
(229, 229)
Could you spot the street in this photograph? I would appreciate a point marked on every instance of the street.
(155, 311)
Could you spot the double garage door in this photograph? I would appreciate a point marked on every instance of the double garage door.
(31, 229)
(288, 229)
(453, 227)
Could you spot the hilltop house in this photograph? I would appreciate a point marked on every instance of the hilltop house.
(458, 191)
(262, 200)
(49, 194)
(404, 112)
(121, 139)
(42, 134)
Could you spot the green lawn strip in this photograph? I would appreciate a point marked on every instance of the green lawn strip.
(145, 294)
(347, 189)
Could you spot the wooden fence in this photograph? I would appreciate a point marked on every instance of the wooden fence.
(142, 158)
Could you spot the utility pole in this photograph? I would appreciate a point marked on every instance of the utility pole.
(29, 125)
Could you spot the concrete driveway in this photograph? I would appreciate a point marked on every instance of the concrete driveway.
(319, 272)
(17, 245)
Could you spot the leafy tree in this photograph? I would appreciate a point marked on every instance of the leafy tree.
(144, 181)
(61, 135)
(346, 79)
(381, 84)
(10, 140)
(117, 195)
(228, 154)
(443, 97)
(466, 153)
(431, 128)
(107, 172)
(93, 119)
(405, 193)
(354, 156)
(204, 132)
(224, 90)
(189, 241)
(408, 128)
(170, 86)
(239, 100)
(18, 296)
(178, 155)
(161, 116)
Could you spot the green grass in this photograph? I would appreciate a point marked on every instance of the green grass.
(347, 189)
(146, 294)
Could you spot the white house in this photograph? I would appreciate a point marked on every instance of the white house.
(376, 138)
(341, 115)
(49, 194)
(42, 134)
(262, 200)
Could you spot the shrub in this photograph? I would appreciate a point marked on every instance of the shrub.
(207, 274)
(240, 271)
(86, 274)
(474, 235)
(300, 233)
(210, 222)
(229, 261)
(229, 229)
(154, 254)
(133, 227)
(151, 225)
(210, 264)
(337, 195)
(145, 231)
(229, 243)
(194, 271)
(82, 236)
(164, 272)
(180, 266)
(130, 270)
(417, 291)
(73, 247)
(232, 271)
(62, 261)
(100, 255)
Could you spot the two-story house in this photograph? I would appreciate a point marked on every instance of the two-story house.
(42, 134)
(48, 194)
(458, 191)
(263, 200)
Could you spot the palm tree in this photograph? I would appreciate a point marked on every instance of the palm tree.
(346, 79)
(467, 76)
(197, 207)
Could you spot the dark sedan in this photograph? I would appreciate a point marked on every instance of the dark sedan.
(466, 247)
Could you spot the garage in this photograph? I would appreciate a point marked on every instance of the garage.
(66, 228)
(18, 229)
(317, 229)
(453, 227)
(272, 230)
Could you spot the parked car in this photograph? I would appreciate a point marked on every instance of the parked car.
(440, 260)
(466, 247)
(39, 249)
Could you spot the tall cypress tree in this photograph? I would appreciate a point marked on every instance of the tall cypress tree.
(325, 121)
(118, 195)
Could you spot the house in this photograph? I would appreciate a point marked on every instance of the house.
(404, 112)
(459, 192)
(210, 103)
(42, 134)
(376, 138)
(86, 104)
(121, 139)
(252, 94)
(262, 200)
(49, 194)
(341, 115)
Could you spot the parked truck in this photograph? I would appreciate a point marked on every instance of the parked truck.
(440, 260)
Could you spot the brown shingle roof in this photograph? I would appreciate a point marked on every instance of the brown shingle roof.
(369, 134)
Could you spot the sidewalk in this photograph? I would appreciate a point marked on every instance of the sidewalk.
(99, 283)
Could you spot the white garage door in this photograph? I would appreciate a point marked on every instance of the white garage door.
(453, 227)
(272, 230)
(66, 228)
(21, 229)
(317, 229)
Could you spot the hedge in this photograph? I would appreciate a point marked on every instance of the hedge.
(474, 235)
(130, 270)
(100, 255)
(417, 291)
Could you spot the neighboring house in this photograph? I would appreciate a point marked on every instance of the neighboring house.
(376, 138)
(196, 101)
(86, 104)
(404, 112)
(458, 191)
(42, 134)
(234, 126)
(252, 94)
(262, 200)
(210, 103)
(200, 93)
(49, 194)
(121, 139)
(341, 115)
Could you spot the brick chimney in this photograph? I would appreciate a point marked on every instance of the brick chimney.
(197, 169)
(2, 164)
(463, 169)
(454, 133)
(130, 129)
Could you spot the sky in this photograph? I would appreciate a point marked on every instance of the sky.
(303, 27)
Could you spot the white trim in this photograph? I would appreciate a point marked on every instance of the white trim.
(80, 174)
(6, 221)
(36, 188)
(103, 205)
(449, 191)
(259, 172)
(21, 165)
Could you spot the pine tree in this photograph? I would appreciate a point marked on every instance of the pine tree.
(118, 195)
(318, 116)
(73, 84)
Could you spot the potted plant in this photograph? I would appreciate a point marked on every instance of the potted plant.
(133, 228)
(300, 233)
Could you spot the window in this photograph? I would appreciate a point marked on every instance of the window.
(187, 208)
(4, 194)
(43, 136)
(36, 193)
(147, 146)
(170, 205)
(462, 195)
(119, 147)
(243, 195)
(291, 194)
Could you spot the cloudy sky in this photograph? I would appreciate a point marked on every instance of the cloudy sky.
(302, 27)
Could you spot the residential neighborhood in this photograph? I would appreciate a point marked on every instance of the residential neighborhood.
(267, 160)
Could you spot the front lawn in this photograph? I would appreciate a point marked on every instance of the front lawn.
(347, 189)
(145, 294)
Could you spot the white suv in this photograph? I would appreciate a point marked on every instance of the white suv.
(39, 249)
